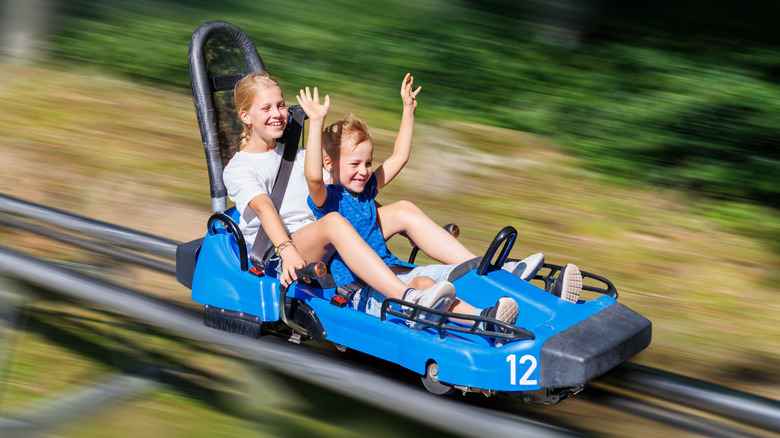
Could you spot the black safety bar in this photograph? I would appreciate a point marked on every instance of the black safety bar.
(231, 226)
(508, 331)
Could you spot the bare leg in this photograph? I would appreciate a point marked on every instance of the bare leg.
(320, 238)
(459, 306)
(435, 241)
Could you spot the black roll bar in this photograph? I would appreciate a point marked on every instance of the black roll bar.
(202, 93)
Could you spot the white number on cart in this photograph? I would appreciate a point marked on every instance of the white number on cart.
(513, 369)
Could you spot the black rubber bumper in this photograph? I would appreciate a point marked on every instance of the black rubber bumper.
(589, 349)
(186, 257)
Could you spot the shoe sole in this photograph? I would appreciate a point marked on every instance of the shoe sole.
(572, 284)
(507, 310)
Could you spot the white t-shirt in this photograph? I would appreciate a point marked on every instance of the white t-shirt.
(250, 174)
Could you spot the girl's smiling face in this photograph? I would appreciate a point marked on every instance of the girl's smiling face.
(267, 115)
(353, 168)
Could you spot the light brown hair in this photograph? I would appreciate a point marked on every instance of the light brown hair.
(348, 127)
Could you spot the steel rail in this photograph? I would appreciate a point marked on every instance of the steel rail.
(304, 364)
(750, 409)
(651, 410)
(114, 252)
(117, 235)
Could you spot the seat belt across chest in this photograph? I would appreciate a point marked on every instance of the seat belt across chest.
(289, 141)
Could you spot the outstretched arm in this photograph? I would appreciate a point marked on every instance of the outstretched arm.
(313, 164)
(403, 143)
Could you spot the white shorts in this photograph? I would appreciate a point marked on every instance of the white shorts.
(370, 300)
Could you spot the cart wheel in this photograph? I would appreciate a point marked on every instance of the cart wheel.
(431, 381)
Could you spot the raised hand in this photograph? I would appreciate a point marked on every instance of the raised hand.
(408, 96)
(311, 105)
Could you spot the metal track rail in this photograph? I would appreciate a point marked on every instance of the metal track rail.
(745, 408)
(651, 409)
(96, 247)
(120, 236)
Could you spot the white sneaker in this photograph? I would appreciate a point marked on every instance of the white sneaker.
(568, 285)
(440, 296)
(527, 268)
(505, 311)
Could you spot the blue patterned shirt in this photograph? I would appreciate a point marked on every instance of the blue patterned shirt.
(360, 211)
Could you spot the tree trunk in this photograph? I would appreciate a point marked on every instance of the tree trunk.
(24, 25)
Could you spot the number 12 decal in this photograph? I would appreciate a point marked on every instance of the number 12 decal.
(513, 369)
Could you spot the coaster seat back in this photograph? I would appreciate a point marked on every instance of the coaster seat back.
(220, 55)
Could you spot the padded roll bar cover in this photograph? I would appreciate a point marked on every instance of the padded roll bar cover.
(202, 94)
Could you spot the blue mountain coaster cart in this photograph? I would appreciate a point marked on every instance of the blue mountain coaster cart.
(554, 350)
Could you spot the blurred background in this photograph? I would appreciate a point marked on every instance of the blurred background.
(638, 140)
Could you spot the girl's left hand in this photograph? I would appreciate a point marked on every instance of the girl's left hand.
(311, 105)
(409, 97)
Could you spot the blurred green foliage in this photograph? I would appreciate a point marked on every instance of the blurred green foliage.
(682, 95)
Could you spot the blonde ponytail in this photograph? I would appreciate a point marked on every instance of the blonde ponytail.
(244, 137)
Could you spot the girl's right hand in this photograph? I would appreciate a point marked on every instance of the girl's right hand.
(311, 105)
(408, 93)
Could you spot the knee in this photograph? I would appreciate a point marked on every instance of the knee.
(421, 283)
(408, 211)
(407, 206)
(335, 222)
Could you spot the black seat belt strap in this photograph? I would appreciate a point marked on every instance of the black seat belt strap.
(289, 141)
